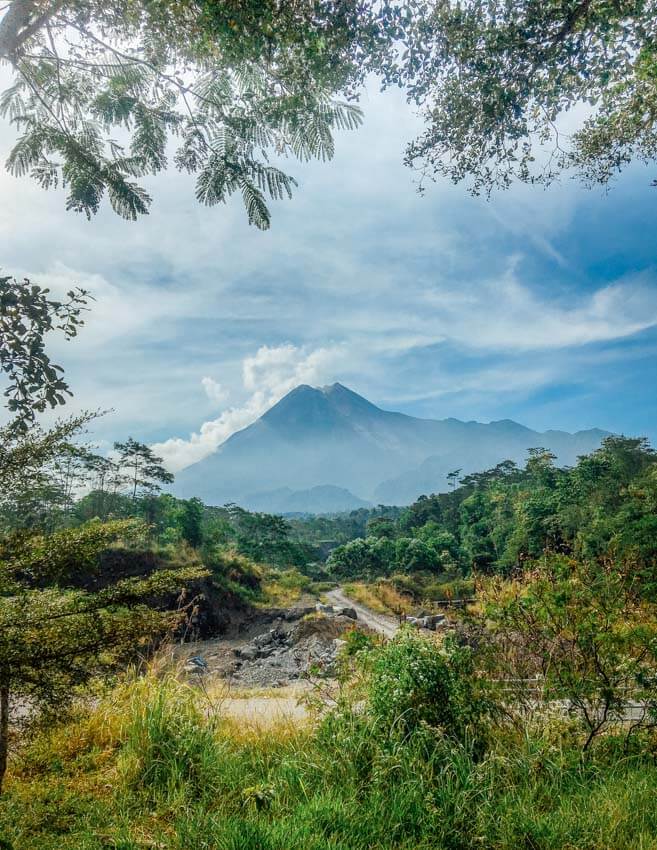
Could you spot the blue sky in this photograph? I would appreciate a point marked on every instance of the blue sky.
(540, 306)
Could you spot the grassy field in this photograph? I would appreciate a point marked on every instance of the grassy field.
(406, 594)
(380, 597)
(151, 766)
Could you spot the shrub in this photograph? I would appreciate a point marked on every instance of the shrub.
(414, 681)
(357, 641)
(582, 633)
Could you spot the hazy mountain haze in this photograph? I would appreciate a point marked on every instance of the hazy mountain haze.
(323, 449)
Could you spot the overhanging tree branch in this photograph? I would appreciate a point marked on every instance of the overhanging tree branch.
(22, 20)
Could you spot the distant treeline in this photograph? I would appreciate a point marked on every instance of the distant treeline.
(499, 520)
(496, 521)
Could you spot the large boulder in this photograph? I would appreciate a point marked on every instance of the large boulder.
(430, 621)
(347, 612)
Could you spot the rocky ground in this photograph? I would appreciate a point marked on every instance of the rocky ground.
(274, 648)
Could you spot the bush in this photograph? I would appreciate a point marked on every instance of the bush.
(459, 588)
(416, 682)
(357, 641)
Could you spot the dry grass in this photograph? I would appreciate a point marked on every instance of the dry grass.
(284, 588)
(147, 766)
(380, 597)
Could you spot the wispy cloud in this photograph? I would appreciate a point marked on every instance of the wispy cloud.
(360, 280)
(267, 375)
(506, 314)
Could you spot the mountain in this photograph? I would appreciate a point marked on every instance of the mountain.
(323, 499)
(317, 443)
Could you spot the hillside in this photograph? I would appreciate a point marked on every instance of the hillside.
(323, 499)
(333, 437)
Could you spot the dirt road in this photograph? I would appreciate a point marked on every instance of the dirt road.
(386, 626)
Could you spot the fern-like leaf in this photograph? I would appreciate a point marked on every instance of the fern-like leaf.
(256, 208)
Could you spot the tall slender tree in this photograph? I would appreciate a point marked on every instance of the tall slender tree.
(143, 469)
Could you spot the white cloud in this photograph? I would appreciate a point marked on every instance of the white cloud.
(267, 375)
(278, 369)
(505, 314)
(356, 262)
(214, 390)
(114, 311)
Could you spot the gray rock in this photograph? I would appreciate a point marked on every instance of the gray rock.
(298, 613)
(433, 620)
(248, 652)
(347, 612)
(324, 609)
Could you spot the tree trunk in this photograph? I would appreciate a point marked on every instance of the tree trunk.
(4, 730)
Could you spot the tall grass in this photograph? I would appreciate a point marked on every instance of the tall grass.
(169, 748)
(151, 767)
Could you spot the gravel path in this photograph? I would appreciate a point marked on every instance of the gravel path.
(386, 626)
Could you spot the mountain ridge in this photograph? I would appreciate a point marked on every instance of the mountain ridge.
(333, 437)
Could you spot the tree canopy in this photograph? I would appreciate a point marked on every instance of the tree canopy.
(502, 519)
(493, 78)
(27, 315)
(143, 469)
(100, 90)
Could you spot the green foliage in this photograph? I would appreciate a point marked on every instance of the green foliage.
(265, 538)
(27, 316)
(168, 751)
(413, 555)
(415, 682)
(234, 84)
(62, 623)
(32, 491)
(143, 470)
(503, 518)
(112, 779)
(493, 80)
(191, 523)
(339, 528)
(235, 573)
(369, 556)
(426, 588)
(65, 556)
(285, 587)
(582, 632)
(357, 641)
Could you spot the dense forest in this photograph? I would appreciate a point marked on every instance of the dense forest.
(496, 521)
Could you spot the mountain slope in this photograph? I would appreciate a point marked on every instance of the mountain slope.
(323, 499)
(334, 437)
